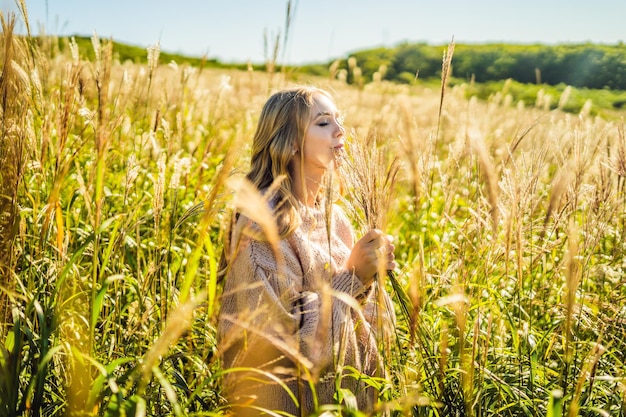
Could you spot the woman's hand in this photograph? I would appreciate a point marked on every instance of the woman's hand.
(371, 253)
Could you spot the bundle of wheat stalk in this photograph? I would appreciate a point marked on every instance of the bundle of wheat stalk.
(369, 174)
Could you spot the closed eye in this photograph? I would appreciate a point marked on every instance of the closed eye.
(338, 117)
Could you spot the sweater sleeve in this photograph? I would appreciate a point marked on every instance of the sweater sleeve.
(345, 280)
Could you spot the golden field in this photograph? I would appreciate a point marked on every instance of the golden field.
(509, 223)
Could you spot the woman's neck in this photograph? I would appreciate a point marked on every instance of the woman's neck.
(307, 187)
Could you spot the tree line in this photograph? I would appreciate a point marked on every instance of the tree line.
(592, 66)
(579, 65)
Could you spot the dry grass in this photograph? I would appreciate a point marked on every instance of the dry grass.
(14, 130)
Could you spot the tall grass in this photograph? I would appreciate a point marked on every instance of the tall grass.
(509, 225)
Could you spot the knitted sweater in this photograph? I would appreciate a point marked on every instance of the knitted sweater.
(289, 325)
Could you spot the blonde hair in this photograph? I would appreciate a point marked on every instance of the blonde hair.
(281, 128)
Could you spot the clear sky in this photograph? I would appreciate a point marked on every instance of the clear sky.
(232, 30)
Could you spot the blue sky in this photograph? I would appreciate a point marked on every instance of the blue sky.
(232, 30)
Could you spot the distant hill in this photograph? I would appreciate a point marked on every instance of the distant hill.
(579, 65)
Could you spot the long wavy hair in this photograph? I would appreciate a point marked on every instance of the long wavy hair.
(281, 128)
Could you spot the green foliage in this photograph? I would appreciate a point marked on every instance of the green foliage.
(579, 65)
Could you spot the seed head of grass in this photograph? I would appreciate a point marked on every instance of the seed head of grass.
(489, 174)
(369, 179)
(153, 57)
(159, 187)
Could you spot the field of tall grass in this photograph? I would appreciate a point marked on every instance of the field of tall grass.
(509, 222)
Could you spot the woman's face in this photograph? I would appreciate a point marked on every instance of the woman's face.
(324, 137)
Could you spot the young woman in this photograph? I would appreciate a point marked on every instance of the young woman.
(301, 320)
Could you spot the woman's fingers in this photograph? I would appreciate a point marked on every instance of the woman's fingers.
(386, 256)
(371, 254)
(373, 235)
(385, 249)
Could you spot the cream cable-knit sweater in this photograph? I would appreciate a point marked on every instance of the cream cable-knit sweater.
(285, 330)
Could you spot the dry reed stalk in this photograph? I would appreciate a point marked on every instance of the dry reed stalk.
(446, 69)
(270, 59)
(210, 208)
(326, 329)
(587, 375)
(572, 279)
(333, 70)
(459, 304)
(153, 62)
(489, 174)
(559, 187)
(485, 350)
(518, 141)
(158, 197)
(619, 165)
(565, 96)
(370, 179)
(132, 172)
(69, 98)
(513, 214)
(177, 323)
(288, 22)
(104, 57)
(249, 202)
(416, 291)
(102, 78)
(12, 142)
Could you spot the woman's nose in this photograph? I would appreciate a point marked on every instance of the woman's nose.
(340, 130)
